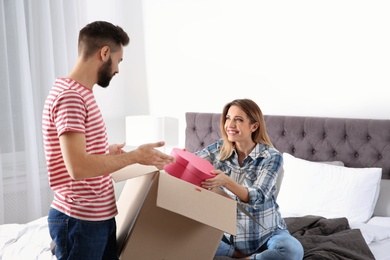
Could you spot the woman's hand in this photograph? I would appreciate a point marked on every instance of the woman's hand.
(220, 179)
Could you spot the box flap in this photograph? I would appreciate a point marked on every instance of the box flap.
(132, 171)
(159, 233)
(129, 204)
(197, 203)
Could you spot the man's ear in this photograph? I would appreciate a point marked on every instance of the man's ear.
(105, 53)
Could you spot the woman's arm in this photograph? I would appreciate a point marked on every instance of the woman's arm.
(221, 179)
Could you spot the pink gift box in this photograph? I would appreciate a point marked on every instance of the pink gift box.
(189, 167)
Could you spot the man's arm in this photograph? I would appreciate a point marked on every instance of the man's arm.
(81, 165)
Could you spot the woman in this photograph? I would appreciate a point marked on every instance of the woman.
(246, 166)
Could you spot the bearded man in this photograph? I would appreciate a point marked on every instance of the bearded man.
(79, 159)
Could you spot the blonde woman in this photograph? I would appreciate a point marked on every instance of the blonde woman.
(246, 166)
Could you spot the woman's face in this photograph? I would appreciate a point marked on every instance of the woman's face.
(238, 126)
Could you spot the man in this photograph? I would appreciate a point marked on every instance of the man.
(79, 159)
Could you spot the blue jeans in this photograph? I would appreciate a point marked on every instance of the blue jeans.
(281, 245)
(80, 239)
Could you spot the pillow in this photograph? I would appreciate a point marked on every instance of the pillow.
(382, 207)
(281, 174)
(330, 191)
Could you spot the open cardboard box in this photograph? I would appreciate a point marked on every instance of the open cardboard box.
(163, 217)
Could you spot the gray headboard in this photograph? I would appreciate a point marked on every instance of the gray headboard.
(356, 142)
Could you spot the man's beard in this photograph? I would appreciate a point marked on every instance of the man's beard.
(104, 74)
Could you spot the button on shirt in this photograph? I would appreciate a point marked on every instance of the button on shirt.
(258, 172)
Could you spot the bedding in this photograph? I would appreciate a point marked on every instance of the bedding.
(382, 207)
(380, 249)
(374, 231)
(324, 238)
(26, 241)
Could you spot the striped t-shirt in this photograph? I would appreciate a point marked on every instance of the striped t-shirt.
(71, 106)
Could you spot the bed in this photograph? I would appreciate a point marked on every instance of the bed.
(325, 159)
(316, 146)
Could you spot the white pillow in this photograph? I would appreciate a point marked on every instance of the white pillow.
(330, 191)
(382, 207)
(281, 174)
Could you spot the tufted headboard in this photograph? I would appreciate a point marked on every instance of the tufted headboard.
(356, 142)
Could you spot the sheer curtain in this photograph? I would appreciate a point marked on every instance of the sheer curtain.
(38, 42)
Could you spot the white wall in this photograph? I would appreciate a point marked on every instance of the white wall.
(127, 93)
(316, 58)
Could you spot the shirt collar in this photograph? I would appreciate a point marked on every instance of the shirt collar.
(260, 151)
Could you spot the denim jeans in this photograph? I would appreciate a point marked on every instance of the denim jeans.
(281, 245)
(80, 239)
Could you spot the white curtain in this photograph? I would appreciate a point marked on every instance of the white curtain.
(38, 42)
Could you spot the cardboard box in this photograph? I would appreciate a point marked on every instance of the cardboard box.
(163, 217)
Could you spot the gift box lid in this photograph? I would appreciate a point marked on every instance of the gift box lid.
(195, 164)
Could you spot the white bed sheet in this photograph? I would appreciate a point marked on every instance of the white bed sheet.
(26, 241)
(381, 249)
(376, 232)
(32, 240)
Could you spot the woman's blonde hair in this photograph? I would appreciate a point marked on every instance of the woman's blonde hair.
(253, 111)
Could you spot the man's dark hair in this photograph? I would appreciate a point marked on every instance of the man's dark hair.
(98, 34)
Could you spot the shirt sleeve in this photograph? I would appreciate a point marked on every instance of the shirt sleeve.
(210, 153)
(69, 112)
(264, 186)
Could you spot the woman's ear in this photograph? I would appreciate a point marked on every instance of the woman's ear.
(255, 126)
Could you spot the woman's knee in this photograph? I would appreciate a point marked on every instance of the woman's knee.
(287, 245)
(294, 249)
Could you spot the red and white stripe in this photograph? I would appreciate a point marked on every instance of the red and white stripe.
(72, 107)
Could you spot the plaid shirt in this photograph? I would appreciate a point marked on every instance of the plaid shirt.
(258, 173)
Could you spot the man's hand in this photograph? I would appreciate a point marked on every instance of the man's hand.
(82, 165)
(147, 154)
(116, 148)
